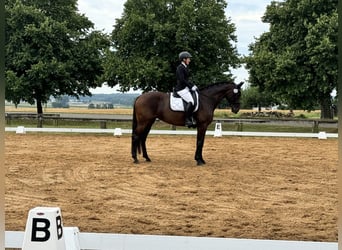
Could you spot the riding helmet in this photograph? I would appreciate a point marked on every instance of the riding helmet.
(184, 55)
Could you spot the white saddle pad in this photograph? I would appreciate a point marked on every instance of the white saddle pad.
(176, 103)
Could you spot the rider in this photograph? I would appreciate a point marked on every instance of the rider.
(184, 86)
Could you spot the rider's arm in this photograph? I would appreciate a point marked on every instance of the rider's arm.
(181, 72)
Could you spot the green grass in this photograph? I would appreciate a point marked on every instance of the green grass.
(250, 127)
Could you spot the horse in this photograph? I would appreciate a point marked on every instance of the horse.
(152, 105)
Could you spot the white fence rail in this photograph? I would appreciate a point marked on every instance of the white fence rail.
(176, 132)
(106, 241)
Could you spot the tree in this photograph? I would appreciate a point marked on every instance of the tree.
(150, 34)
(253, 97)
(51, 50)
(297, 59)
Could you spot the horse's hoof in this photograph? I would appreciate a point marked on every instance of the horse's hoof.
(148, 159)
(200, 163)
(136, 161)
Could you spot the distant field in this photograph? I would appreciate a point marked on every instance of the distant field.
(123, 111)
(120, 111)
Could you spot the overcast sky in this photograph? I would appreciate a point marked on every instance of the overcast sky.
(246, 15)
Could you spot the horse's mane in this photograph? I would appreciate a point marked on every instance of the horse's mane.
(216, 84)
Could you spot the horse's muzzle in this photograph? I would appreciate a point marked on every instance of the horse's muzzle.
(235, 110)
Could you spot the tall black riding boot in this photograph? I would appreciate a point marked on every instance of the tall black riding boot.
(189, 108)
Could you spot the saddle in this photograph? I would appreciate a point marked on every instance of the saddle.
(177, 103)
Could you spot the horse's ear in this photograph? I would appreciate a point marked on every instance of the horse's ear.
(240, 84)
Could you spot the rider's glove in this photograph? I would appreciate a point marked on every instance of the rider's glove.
(194, 88)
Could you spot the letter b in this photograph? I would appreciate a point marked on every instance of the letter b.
(40, 225)
(59, 227)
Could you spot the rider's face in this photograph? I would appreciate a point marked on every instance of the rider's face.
(187, 61)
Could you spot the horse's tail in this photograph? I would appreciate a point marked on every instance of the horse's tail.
(135, 138)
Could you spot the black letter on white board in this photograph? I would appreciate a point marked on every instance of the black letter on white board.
(44, 228)
(59, 227)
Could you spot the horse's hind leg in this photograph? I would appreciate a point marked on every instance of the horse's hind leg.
(135, 145)
(143, 141)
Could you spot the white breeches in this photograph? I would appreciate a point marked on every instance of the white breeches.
(186, 95)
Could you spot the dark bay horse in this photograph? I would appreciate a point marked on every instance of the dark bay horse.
(152, 105)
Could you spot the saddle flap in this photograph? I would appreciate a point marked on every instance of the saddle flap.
(177, 104)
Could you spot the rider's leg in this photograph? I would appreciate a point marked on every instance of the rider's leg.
(189, 108)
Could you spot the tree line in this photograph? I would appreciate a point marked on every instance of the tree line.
(103, 101)
(295, 62)
(53, 50)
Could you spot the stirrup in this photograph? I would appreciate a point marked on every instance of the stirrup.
(188, 123)
(194, 123)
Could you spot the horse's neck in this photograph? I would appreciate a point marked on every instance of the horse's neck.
(216, 93)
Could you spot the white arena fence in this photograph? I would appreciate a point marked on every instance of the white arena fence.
(217, 132)
(44, 231)
(75, 240)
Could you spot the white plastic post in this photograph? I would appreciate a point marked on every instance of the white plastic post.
(44, 229)
(20, 130)
(117, 132)
(218, 130)
(322, 135)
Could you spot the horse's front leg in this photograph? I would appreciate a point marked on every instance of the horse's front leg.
(199, 146)
(144, 150)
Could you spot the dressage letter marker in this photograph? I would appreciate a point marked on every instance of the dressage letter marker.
(117, 132)
(20, 130)
(44, 229)
(322, 135)
(218, 130)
